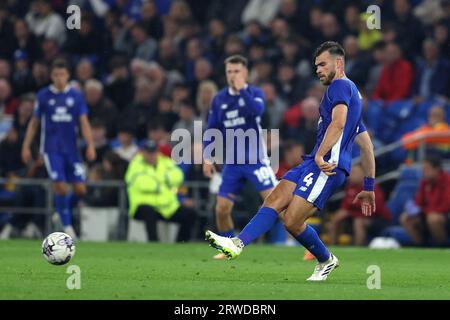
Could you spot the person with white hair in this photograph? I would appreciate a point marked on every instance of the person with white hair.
(100, 107)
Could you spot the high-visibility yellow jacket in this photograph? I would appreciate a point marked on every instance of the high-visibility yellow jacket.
(155, 186)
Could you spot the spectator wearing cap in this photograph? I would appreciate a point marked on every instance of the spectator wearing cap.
(22, 79)
(127, 147)
(152, 183)
(431, 206)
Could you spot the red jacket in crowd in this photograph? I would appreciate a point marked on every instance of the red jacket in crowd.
(434, 196)
(395, 81)
(352, 190)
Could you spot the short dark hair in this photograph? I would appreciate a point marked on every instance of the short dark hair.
(332, 47)
(60, 63)
(237, 58)
(434, 160)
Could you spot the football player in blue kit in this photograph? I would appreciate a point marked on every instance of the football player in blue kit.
(307, 187)
(60, 110)
(239, 106)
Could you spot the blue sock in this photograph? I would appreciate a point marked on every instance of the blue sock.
(73, 201)
(228, 234)
(264, 219)
(62, 207)
(311, 241)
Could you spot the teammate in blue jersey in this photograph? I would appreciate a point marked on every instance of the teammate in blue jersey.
(306, 188)
(238, 106)
(60, 110)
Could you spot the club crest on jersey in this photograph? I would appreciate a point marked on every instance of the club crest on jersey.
(70, 102)
(241, 102)
(224, 106)
(51, 102)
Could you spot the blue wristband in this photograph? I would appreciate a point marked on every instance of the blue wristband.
(369, 184)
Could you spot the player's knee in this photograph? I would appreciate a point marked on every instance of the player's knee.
(60, 188)
(79, 189)
(293, 226)
(223, 209)
(274, 202)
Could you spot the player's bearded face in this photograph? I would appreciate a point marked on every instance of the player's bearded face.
(325, 68)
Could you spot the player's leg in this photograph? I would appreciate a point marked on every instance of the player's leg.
(437, 224)
(274, 204)
(75, 173)
(297, 213)
(413, 227)
(224, 220)
(264, 219)
(55, 165)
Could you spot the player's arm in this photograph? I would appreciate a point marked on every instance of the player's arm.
(253, 104)
(87, 135)
(33, 125)
(331, 137)
(367, 196)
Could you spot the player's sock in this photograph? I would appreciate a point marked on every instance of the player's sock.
(62, 207)
(73, 201)
(228, 234)
(264, 219)
(311, 241)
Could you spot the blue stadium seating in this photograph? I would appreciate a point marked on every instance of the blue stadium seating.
(405, 189)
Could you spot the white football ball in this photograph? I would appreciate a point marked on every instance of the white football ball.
(58, 248)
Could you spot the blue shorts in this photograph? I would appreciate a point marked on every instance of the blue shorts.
(234, 177)
(64, 167)
(312, 184)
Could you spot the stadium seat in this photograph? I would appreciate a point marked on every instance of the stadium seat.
(99, 224)
(405, 189)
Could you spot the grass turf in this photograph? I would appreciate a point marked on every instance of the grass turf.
(187, 271)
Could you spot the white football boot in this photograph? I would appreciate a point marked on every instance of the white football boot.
(322, 270)
(230, 247)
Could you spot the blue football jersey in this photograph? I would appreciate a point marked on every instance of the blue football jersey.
(340, 91)
(59, 113)
(239, 112)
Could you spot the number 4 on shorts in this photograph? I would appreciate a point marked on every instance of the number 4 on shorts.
(308, 180)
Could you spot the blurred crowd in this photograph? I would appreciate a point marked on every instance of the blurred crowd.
(147, 67)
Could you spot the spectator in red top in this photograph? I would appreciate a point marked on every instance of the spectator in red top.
(396, 77)
(363, 226)
(292, 156)
(431, 207)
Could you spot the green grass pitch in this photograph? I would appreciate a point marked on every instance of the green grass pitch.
(187, 271)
